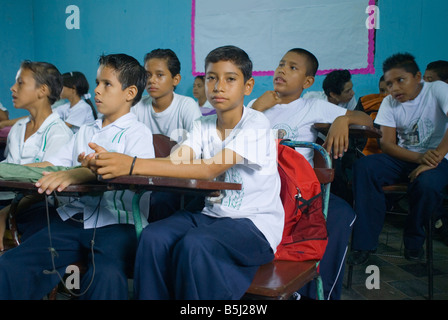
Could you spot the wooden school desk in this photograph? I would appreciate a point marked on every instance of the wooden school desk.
(142, 184)
(353, 130)
(138, 184)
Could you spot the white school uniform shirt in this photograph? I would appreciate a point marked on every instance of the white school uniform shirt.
(81, 113)
(126, 135)
(47, 140)
(2, 107)
(351, 105)
(420, 123)
(259, 197)
(174, 122)
(295, 120)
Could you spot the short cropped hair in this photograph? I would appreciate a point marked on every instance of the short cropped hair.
(130, 72)
(335, 81)
(440, 67)
(171, 58)
(233, 54)
(405, 61)
(45, 73)
(311, 61)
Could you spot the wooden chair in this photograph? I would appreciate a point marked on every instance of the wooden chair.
(279, 280)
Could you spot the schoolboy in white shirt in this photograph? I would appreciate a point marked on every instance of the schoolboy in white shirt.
(164, 111)
(95, 229)
(294, 117)
(35, 137)
(414, 123)
(213, 253)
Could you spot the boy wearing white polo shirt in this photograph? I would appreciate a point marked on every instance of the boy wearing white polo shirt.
(34, 138)
(97, 229)
(213, 253)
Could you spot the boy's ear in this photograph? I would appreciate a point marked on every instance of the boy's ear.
(132, 92)
(309, 81)
(418, 75)
(43, 91)
(176, 79)
(249, 86)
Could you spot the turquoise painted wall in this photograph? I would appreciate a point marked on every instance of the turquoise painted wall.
(36, 30)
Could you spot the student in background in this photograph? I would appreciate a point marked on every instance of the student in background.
(164, 111)
(79, 110)
(295, 116)
(36, 137)
(338, 89)
(199, 94)
(95, 228)
(213, 253)
(414, 123)
(436, 70)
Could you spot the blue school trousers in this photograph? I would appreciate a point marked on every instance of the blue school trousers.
(425, 195)
(340, 219)
(190, 256)
(26, 272)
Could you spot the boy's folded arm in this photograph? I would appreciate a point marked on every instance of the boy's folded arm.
(359, 118)
(59, 180)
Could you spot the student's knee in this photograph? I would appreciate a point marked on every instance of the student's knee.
(193, 244)
(423, 184)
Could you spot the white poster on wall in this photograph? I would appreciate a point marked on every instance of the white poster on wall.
(337, 32)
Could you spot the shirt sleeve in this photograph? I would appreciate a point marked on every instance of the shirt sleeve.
(440, 91)
(385, 116)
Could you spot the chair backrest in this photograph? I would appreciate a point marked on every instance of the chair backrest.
(162, 145)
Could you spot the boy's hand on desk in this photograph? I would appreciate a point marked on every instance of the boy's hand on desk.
(336, 142)
(58, 181)
(109, 164)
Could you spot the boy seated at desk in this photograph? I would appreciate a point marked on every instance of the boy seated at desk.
(96, 229)
(294, 116)
(414, 123)
(213, 253)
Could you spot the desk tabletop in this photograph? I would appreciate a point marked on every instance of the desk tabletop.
(130, 182)
(19, 186)
(170, 184)
(354, 129)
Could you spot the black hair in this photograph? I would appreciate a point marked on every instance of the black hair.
(233, 54)
(312, 62)
(45, 73)
(405, 61)
(440, 67)
(335, 81)
(130, 72)
(77, 80)
(171, 58)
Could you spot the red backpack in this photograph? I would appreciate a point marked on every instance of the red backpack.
(305, 232)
